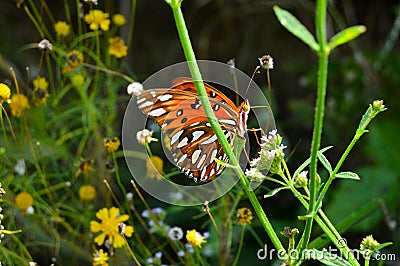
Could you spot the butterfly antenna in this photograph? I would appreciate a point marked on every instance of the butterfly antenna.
(257, 70)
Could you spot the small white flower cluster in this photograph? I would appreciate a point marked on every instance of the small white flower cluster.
(270, 157)
(266, 62)
(145, 136)
(45, 45)
(134, 89)
(175, 233)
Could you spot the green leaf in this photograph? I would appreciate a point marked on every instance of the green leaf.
(293, 25)
(224, 164)
(346, 35)
(304, 217)
(347, 175)
(325, 162)
(325, 257)
(274, 192)
(383, 245)
(307, 162)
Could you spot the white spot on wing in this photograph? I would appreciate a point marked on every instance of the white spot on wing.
(197, 134)
(164, 97)
(157, 112)
(195, 156)
(145, 104)
(153, 93)
(183, 157)
(212, 172)
(176, 136)
(202, 159)
(209, 140)
(228, 121)
(213, 154)
(183, 142)
(140, 100)
(203, 177)
(194, 124)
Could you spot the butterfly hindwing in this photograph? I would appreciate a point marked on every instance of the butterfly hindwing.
(178, 111)
(195, 149)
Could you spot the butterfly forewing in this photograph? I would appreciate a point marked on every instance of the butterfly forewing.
(178, 111)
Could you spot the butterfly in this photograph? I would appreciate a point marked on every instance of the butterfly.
(194, 145)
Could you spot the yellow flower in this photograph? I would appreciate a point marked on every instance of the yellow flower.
(40, 82)
(244, 215)
(62, 28)
(109, 227)
(111, 144)
(40, 96)
(75, 59)
(97, 18)
(5, 93)
(87, 193)
(77, 80)
(119, 19)
(85, 165)
(100, 258)
(117, 47)
(19, 103)
(154, 166)
(194, 238)
(23, 201)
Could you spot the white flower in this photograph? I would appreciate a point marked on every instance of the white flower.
(175, 233)
(20, 168)
(304, 174)
(134, 88)
(266, 62)
(145, 213)
(158, 255)
(45, 45)
(91, 1)
(181, 253)
(254, 174)
(129, 196)
(30, 210)
(271, 154)
(255, 161)
(145, 136)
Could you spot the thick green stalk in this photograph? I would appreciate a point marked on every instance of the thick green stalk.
(319, 115)
(195, 72)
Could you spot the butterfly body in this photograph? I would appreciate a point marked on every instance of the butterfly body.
(180, 114)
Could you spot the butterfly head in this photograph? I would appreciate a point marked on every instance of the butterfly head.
(244, 110)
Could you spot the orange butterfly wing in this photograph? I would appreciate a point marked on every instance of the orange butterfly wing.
(179, 113)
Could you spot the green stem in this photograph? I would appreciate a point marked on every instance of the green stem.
(360, 131)
(195, 72)
(235, 262)
(117, 175)
(319, 115)
(132, 22)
